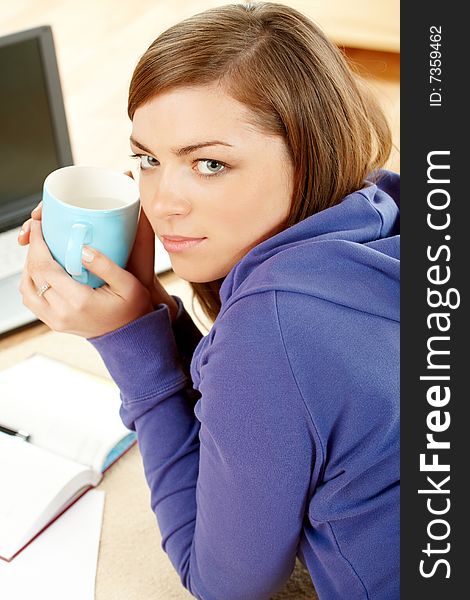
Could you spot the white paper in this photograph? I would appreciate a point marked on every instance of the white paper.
(61, 562)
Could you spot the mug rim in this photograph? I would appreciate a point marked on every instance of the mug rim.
(89, 168)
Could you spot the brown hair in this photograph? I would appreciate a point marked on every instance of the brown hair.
(297, 84)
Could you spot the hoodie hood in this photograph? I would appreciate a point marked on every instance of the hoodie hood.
(348, 254)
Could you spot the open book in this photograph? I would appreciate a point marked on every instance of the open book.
(75, 434)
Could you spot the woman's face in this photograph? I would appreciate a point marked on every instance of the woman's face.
(206, 172)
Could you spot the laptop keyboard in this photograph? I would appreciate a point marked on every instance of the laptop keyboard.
(12, 255)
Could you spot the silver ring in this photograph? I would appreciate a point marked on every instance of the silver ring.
(43, 289)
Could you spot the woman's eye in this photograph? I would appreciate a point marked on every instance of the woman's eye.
(208, 167)
(146, 161)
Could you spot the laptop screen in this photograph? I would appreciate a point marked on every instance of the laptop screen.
(34, 139)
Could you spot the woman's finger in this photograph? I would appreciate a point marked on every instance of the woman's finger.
(39, 305)
(119, 280)
(39, 255)
(36, 213)
(36, 302)
(42, 267)
(23, 235)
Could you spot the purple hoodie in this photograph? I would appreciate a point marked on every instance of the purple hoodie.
(277, 434)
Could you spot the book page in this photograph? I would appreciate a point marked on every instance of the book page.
(35, 486)
(66, 410)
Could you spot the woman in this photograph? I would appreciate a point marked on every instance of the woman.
(277, 434)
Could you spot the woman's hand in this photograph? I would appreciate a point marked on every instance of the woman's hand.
(76, 308)
(140, 264)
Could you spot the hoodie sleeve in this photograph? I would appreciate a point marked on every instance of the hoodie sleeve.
(229, 479)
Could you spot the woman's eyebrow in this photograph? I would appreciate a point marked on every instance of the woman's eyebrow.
(185, 149)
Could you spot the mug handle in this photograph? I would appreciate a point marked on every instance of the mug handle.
(80, 235)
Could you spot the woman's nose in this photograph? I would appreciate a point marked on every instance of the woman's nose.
(168, 198)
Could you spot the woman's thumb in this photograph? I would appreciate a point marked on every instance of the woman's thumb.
(99, 264)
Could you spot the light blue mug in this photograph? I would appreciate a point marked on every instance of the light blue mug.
(89, 206)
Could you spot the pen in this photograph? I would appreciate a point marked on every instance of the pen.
(22, 434)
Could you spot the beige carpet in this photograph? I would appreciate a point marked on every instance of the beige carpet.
(299, 586)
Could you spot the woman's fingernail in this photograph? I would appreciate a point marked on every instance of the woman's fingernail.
(87, 255)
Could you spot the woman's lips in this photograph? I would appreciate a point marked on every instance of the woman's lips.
(179, 244)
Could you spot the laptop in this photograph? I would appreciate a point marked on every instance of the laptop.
(34, 140)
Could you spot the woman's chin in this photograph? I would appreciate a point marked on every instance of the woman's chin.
(198, 275)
